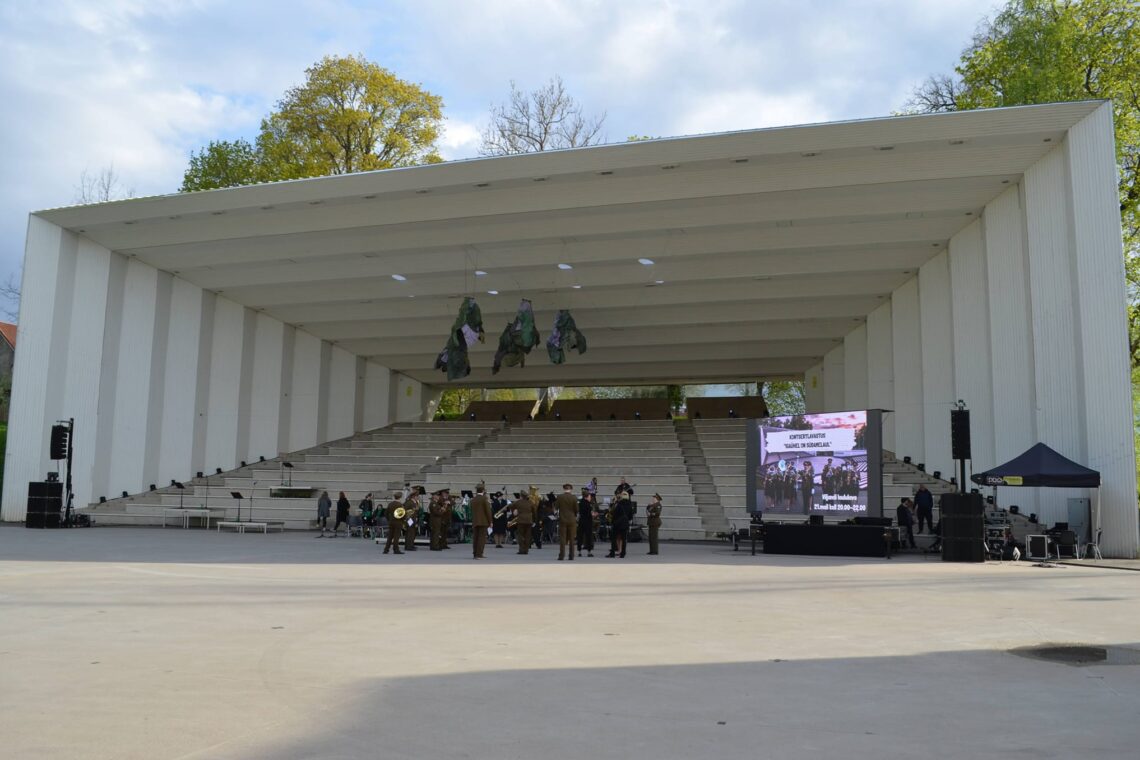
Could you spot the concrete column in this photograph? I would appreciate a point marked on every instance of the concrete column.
(938, 397)
(907, 355)
(855, 372)
(881, 370)
(834, 384)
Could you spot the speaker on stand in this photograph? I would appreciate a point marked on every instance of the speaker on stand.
(963, 527)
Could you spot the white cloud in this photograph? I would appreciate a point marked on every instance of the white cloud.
(460, 139)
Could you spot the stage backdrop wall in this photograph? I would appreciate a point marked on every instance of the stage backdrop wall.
(1023, 319)
(165, 379)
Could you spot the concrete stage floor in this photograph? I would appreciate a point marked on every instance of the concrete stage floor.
(162, 644)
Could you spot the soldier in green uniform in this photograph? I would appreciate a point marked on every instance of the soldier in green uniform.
(394, 523)
(411, 520)
(445, 517)
(480, 520)
(525, 509)
(653, 521)
(434, 512)
(567, 507)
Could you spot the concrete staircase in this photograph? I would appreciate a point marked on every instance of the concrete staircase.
(375, 462)
(725, 450)
(701, 480)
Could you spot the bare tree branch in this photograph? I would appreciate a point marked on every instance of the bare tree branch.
(105, 185)
(544, 119)
(10, 297)
(937, 94)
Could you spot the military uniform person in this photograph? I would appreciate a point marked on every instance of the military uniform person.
(653, 521)
(480, 521)
(394, 524)
(567, 507)
(435, 512)
(524, 508)
(445, 518)
(411, 512)
(586, 523)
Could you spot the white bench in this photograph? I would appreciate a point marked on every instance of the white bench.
(242, 527)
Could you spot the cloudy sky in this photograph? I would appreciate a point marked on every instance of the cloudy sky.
(138, 84)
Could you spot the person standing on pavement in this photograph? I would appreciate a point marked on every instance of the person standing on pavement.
(653, 521)
(567, 507)
(924, 506)
(324, 509)
(480, 521)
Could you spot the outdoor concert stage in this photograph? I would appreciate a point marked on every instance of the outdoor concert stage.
(901, 263)
(158, 645)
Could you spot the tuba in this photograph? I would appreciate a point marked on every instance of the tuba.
(399, 513)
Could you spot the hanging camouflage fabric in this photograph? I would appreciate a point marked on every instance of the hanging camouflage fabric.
(565, 337)
(467, 329)
(517, 339)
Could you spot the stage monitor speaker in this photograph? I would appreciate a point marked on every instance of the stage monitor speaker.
(59, 435)
(960, 433)
(961, 504)
(45, 505)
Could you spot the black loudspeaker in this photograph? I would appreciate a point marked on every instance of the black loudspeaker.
(59, 434)
(960, 433)
(42, 521)
(963, 527)
(39, 490)
(45, 498)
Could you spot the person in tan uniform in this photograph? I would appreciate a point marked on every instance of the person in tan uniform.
(445, 517)
(653, 521)
(411, 512)
(435, 512)
(567, 507)
(480, 520)
(524, 509)
(394, 523)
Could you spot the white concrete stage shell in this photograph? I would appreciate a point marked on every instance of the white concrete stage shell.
(900, 263)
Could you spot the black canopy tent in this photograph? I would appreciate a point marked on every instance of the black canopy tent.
(1042, 467)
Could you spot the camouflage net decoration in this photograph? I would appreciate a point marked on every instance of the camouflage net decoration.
(467, 329)
(518, 338)
(565, 337)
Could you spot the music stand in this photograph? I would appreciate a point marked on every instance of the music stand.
(237, 495)
(181, 489)
(286, 466)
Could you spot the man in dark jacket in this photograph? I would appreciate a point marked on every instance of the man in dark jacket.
(480, 521)
(905, 519)
(623, 513)
(924, 506)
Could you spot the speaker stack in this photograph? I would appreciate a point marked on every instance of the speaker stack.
(45, 503)
(963, 527)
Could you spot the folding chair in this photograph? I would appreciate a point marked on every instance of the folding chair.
(356, 526)
(1095, 546)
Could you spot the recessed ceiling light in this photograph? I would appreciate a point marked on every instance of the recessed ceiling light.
(1005, 181)
(411, 296)
(176, 216)
(315, 203)
(565, 266)
(128, 222)
(492, 292)
(369, 197)
(740, 160)
(1048, 139)
(399, 277)
(217, 213)
(885, 147)
(660, 282)
(540, 179)
(809, 154)
(480, 273)
(957, 142)
(645, 262)
(605, 173)
(266, 208)
(423, 192)
(576, 287)
(483, 184)
(667, 167)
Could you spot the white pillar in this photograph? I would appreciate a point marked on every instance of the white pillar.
(907, 356)
(938, 396)
(833, 380)
(881, 370)
(855, 368)
(813, 388)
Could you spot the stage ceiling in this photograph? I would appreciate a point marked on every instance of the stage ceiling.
(716, 258)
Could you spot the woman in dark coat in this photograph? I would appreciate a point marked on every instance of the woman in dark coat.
(342, 507)
(499, 519)
(623, 513)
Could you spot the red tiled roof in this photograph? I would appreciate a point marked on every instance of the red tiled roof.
(9, 333)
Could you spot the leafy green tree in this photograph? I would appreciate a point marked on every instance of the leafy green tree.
(350, 115)
(1043, 51)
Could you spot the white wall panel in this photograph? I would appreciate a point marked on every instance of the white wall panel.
(225, 385)
(26, 456)
(342, 394)
(855, 368)
(265, 400)
(834, 383)
(306, 391)
(85, 351)
(1101, 329)
(907, 355)
(377, 380)
(136, 338)
(973, 374)
(937, 362)
(176, 448)
(881, 370)
(813, 388)
(1057, 383)
(409, 399)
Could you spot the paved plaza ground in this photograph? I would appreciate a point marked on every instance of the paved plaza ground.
(163, 644)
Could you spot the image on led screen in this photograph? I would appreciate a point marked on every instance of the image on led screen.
(812, 464)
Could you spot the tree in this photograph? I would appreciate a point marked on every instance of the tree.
(547, 118)
(222, 163)
(102, 186)
(10, 295)
(350, 115)
(1041, 51)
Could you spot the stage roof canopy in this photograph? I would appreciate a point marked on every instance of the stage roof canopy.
(726, 257)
